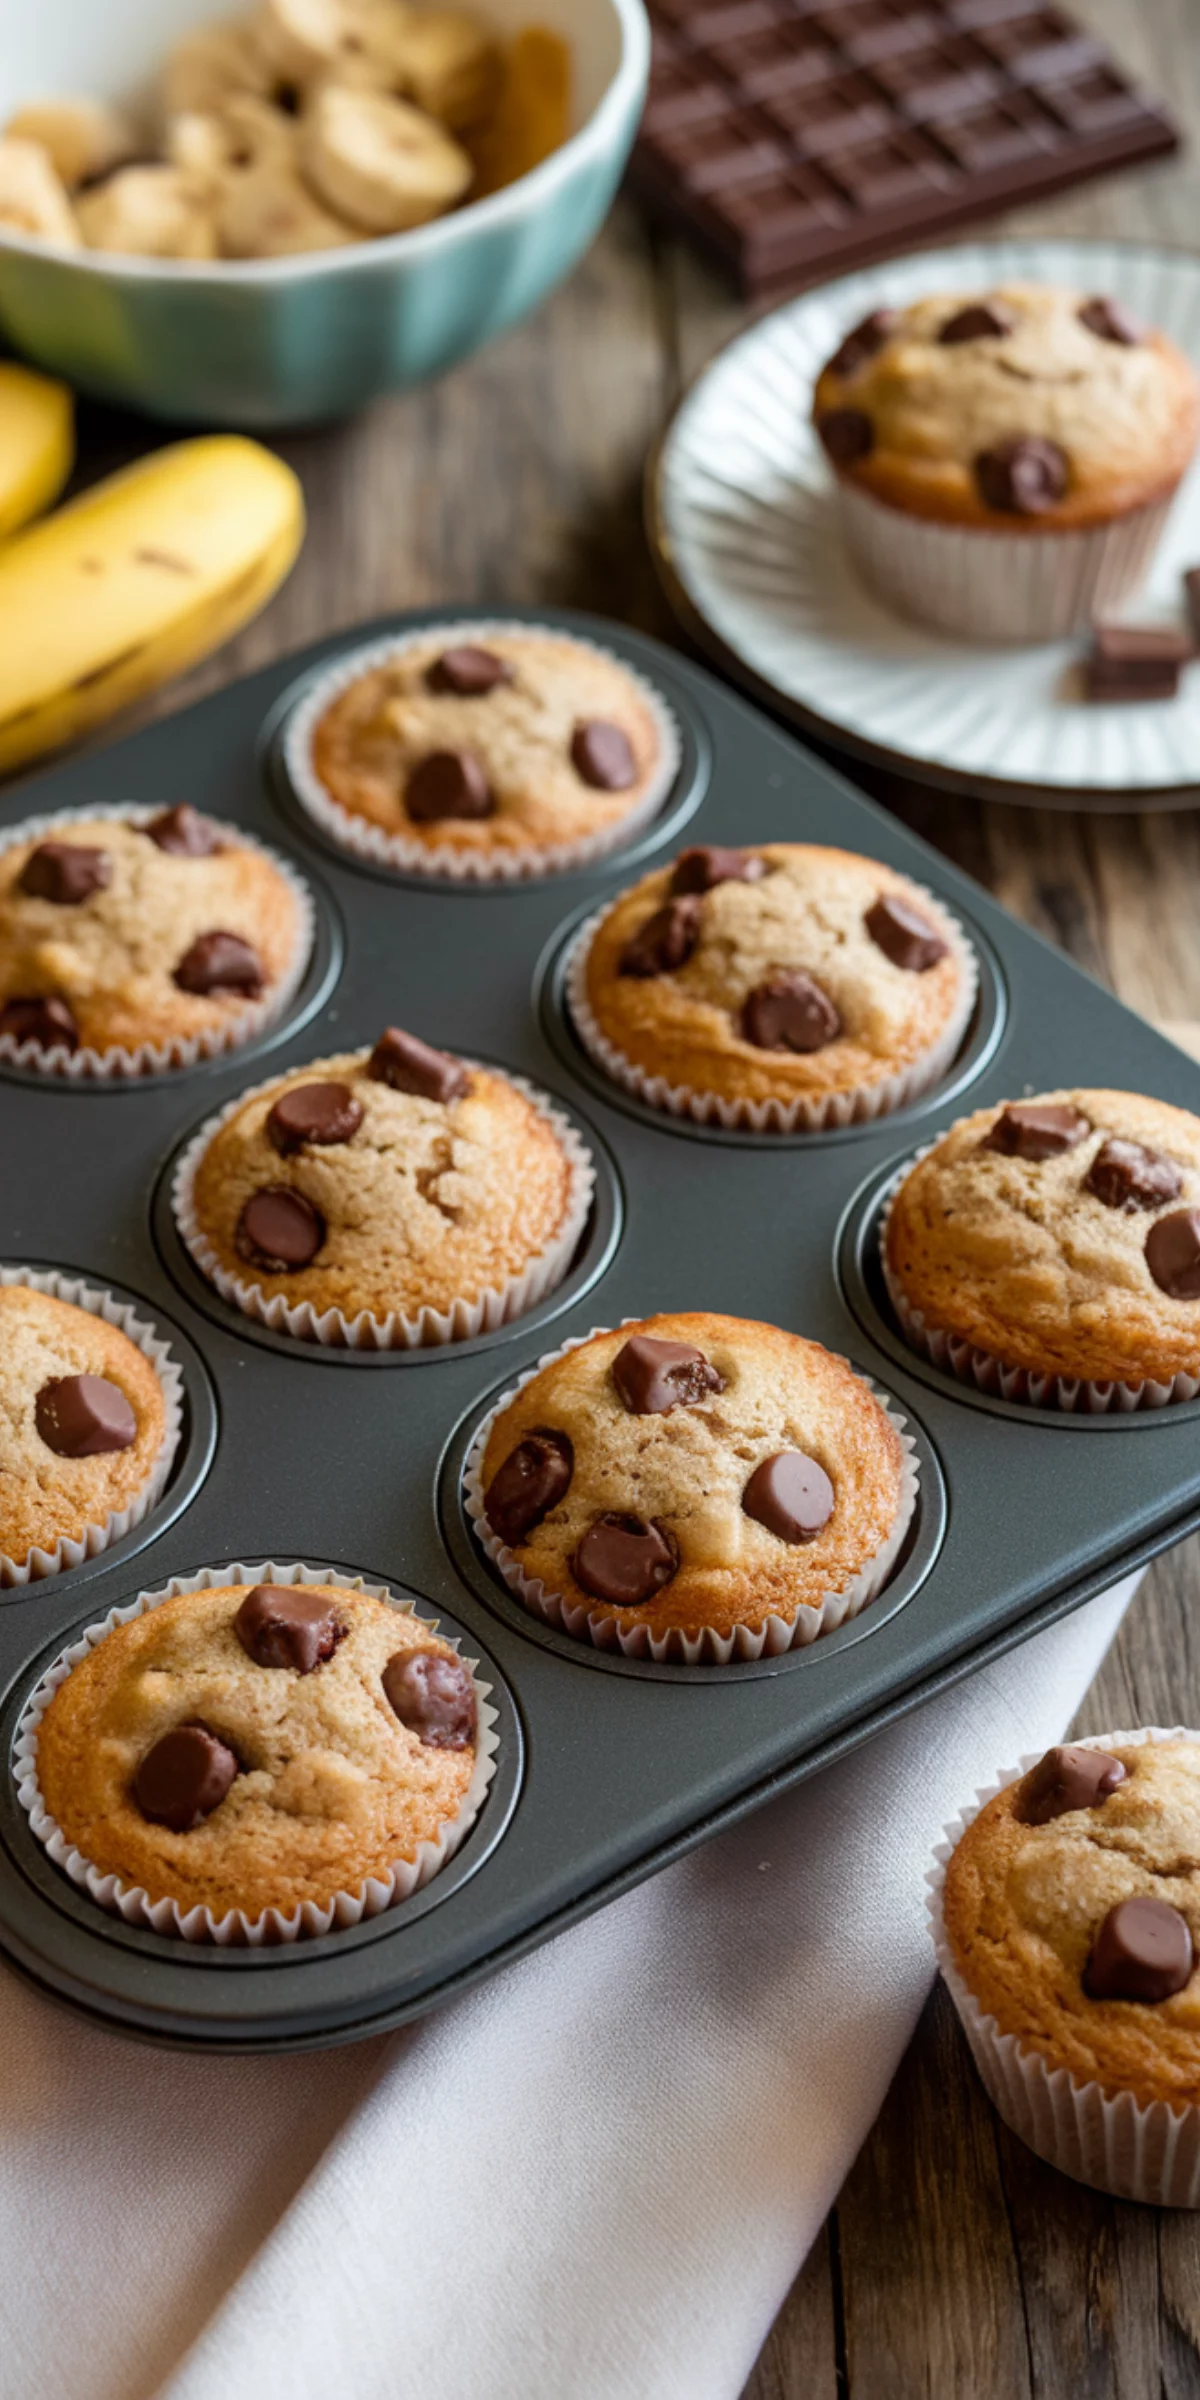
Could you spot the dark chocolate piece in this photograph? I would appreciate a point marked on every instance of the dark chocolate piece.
(979, 321)
(903, 934)
(791, 1495)
(1066, 1778)
(410, 1065)
(468, 671)
(183, 833)
(790, 1012)
(1036, 1129)
(602, 756)
(1125, 1175)
(666, 940)
(46, 1020)
(533, 1479)
(1111, 321)
(1023, 477)
(864, 341)
(433, 1696)
(704, 867)
(654, 1376)
(65, 872)
(1191, 594)
(1143, 1951)
(1173, 1254)
(449, 783)
(323, 1113)
(282, 1625)
(1136, 662)
(80, 1416)
(624, 1560)
(220, 962)
(280, 1230)
(184, 1777)
(847, 434)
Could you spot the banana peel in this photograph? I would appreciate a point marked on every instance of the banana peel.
(134, 581)
(37, 443)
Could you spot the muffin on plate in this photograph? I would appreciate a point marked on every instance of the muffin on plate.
(1049, 1249)
(694, 1486)
(385, 1197)
(781, 987)
(84, 1421)
(482, 750)
(1005, 460)
(134, 940)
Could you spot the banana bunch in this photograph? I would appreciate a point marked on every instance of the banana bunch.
(134, 581)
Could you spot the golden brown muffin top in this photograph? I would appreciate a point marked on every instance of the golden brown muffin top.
(51, 1489)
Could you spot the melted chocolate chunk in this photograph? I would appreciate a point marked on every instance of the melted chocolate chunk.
(981, 320)
(666, 940)
(449, 783)
(184, 1777)
(468, 672)
(281, 1625)
(533, 1479)
(864, 340)
(433, 1696)
(655, 1376)
(1023, 477)
(280, 1230)
(847, 434)
(220, 962)
(79, 1416)
(903, 934)
(1036, 1129)
(65, 872)
(705, 866)
(791, 1495)
(1068, 1777)
(624, 1560)
(1128, 1177)
(46, 1021)
(183, 833)
(410, 1065)
(1173, 1254)
(790, 1012)
(602, 756)
(324, 1113)
(1143, 1951)
(1111, 321)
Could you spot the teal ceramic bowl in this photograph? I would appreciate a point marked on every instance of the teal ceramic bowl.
(275, 342)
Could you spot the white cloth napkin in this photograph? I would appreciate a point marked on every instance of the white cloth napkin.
(592, 2179)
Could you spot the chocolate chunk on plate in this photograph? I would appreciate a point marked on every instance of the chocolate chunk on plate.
(1136, 662)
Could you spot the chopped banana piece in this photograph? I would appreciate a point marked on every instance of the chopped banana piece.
(84, 138)
(267, 212)
(379, 161)
(32, 198)
(451, 67)
(154, 212)
(210, 64)
(241, 136)
(347, 41)
(199, 142)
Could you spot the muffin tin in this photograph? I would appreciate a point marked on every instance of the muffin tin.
(607, 1767)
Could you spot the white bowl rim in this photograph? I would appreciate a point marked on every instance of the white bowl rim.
(420, 241)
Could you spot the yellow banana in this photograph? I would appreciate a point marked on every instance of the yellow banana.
(37, 444)
(136, 580)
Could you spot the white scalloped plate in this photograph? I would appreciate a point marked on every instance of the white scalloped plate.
(745, 532)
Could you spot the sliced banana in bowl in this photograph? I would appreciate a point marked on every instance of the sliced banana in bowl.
(379, 161)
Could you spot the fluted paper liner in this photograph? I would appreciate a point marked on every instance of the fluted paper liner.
(969, 1362)
(156, 1058)
(1107, 2139)
(679, 1645)
(430, 1327)
(401, 851)
(811, 1112)
(71, 1551)
(196, 1924)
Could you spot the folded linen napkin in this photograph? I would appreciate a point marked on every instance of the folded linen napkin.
(591, 2179)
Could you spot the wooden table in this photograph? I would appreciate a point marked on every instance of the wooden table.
(954, 2264)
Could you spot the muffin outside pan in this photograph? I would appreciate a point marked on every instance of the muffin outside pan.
(692, 1487)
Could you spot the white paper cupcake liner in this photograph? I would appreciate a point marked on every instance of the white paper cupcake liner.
(400, 851)
(430, 1327)
(1107, 2139)
(144, 1334)
(981, 585)
(156, 1058)
(678, 1645)
(197, 1924)
(968, 1362)
(811, 1113)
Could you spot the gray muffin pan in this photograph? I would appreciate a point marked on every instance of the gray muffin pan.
(607, 1768)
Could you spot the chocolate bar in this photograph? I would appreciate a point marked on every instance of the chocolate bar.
(794, 137)
(1136, 662)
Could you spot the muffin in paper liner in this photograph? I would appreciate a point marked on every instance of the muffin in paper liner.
(1107, 2139)
(430, 1328)
(272, 1926)
(406, 856)
(978, 584)
(969, 1363)
(71, 1551)
(156, 1058)
(807, 1114)
(678, 1646)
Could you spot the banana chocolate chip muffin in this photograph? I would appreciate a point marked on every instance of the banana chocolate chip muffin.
(693, 1481)
(485, 750)
(1056, 1240)
(259, 1747)
(1051, 423)
(153, 937)
(778, 986)
(394, 1194)
(82, 1422)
